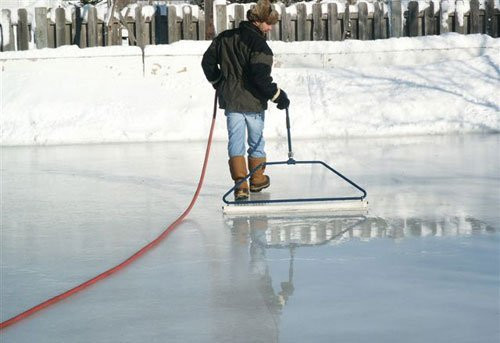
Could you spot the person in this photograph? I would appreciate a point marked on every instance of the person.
(238, 64)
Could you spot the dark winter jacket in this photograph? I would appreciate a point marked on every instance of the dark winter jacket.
(238, 63)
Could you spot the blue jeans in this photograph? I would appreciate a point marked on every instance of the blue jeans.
(237, 125)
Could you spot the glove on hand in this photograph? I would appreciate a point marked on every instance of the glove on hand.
(282, 100)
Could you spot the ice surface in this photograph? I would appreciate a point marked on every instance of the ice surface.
(423, 266)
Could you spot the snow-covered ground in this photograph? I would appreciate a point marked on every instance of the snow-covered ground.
(427, 85)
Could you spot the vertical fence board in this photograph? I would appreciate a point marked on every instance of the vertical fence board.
(239, 14)
(309, 27)
(334, 30)
(444, 26)
(41, 38)
(301, 22)
(378, 20)
(496, 22)
(413, 19)
(201, 25)
(146, 29)
(209, 20)
(489, 13)
(51, 34)
(286, 25)
(67, 30)
(346, 23)
(187, 19)
(429, 20)
(481, 20)
(396, 19)
(318, 31)
(139, 27)
(8, 43)
(474, 16)
(83, 35)
(116, 33)
(354, 24)
(60, 27)
(275, 30)
(363, 21)
(74, 40)
(22, 29)
(221, 14)
(102, 34)
(190, 24)
(171, 24)
(151, 29)
(385, 26)
(459, 17)
(92, 27)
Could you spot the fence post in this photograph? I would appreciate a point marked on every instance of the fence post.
(474, 17)
(92, 27)
(22, 29)
(187, 23)
(318, 31)
(301, 22)
(8, 43)
(444, 26)
(41, 38)
(209, 20)
(221, 12)
(139, 27)
(429, 20)
(334, 31)
(116, 32)
(173, 34)
(489, 18)
(76, 24)
(286, 25)
(378, 20)
(239, 14)
(363, 21)
(201, 25)
(151, 28)
(459, 17)
(84, 42)
(60, 27)
(396, 19)
(67, 31)
(275, 30)
(346, 23)
(413, 19)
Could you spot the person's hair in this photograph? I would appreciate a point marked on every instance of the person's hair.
(263, 12)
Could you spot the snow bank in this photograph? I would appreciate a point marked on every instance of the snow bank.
(436, 85)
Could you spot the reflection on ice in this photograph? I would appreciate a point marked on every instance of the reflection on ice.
(304, 231)
(302, 266)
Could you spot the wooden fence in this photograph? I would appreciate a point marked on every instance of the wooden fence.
(167, 25)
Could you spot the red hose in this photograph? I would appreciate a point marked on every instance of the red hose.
(132, 258)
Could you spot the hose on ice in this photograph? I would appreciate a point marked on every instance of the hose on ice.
(132, 258)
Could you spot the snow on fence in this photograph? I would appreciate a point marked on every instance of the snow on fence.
(89, 26)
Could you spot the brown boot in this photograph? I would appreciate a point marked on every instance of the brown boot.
(238, 169)
(258, 181)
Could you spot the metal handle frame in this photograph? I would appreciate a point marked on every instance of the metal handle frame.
(292, 161)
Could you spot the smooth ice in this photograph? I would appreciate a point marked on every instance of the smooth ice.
(422, 266)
